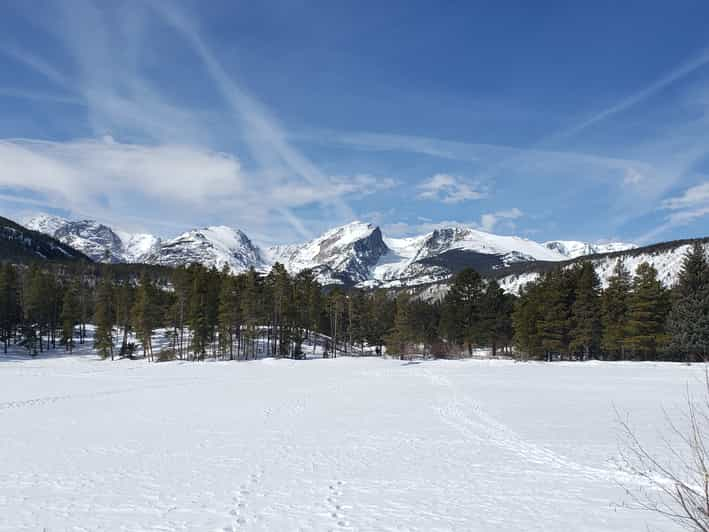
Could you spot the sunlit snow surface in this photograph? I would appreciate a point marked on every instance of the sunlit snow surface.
(344, 444)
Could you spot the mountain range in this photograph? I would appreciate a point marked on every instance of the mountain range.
(359, 254)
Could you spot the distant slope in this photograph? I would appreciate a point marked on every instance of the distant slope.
(96, 240)
(665, 257)
(573, 249)
(19, 244)
(359, 254)
(217, 246)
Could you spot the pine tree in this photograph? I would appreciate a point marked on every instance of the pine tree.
(647, 313)
(32, 302)
(494, 316)
(585, 333)
(398, 341)
(104, 317)
(557, 292)
(526, 319)
(10, 311)
(124, 307)
(336, 313)
(688, 321)
(614, 311)
(250, 312)
(144, 315)
(229, 311)
(198, 311)
(380, 318)
(460, 318)
(70, 316)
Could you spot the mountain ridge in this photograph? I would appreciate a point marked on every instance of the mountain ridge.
(359, 254)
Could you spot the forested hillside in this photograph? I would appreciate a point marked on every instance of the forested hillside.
(203, 312)
(19, 244)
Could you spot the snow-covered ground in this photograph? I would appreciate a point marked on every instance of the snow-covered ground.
(340, 444)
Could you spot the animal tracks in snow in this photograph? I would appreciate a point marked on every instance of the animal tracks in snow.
(337, 510)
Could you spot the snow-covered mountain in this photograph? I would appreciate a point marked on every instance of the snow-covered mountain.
(433, 257)
(217, 246)
(18, 243)
(359, 254)
(665, 257)
(96, 240)
(573, 248)
(344, 254)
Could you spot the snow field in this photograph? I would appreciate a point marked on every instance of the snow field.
(343, 444)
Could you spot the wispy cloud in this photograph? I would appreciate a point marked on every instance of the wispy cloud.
(449, 189)
(490, 220)
(161, 144)
(679, 72)
(689, 206)
(266, 137)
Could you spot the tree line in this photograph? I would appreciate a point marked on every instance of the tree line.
(198, 312)
(565, 314)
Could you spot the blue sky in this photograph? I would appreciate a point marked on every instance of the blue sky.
(553, 120)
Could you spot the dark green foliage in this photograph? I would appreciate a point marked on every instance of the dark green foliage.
(71, 313)
(104, 318)
(462, 309)
(526, 319)
(555, 325)
(10, 309)
(614, 312)
(206, 312)
(688, 321)
(585, 333)
(145, 315)
(21, 245)
(399, 339)
(647, 314)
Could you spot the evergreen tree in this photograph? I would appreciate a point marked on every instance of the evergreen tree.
(32, 301)
(647, 313)
(145, 315)
(380, 318)
(70, 316)
(336, 313)
(398, 341)
(688, 321)
(585, 333)
(198, 311)
(250, 312)
(124, 308)
(104, 317)
(10, 311)
(495, 316)
(461, 313)
(526, 318)
(614, 310)
(229, 314)
(554, 327)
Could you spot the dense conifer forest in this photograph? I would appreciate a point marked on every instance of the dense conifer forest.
(202, 313)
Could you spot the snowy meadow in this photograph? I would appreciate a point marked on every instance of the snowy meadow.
(338, 444)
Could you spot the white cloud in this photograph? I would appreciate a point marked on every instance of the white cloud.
(489, 220)
(78, 170)
(692, 197)
(689, 206)
(449, 189)
(632, 177)
(337, 187)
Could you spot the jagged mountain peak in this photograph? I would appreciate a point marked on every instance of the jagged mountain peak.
(344, 254)
(98, 241)
(216, 246)
(358, 253)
